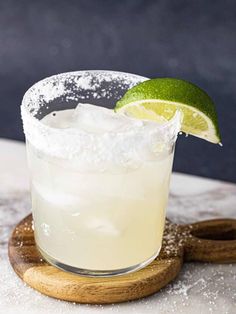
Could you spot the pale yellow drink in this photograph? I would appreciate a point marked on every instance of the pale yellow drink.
(99, 179)
(95, 219)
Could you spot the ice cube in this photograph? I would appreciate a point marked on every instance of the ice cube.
(103, 226)
(56, 197)
(59, 119)
(97, 119)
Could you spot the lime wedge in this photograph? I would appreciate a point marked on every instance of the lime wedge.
(158, 99)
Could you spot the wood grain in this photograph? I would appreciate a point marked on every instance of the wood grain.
(212, 241)
(179, 243)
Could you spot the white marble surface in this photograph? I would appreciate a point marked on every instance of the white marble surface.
(200, 288)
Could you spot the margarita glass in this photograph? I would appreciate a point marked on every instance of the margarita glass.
(98, 195)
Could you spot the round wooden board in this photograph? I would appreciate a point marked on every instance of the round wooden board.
(37, 273)
(206, 241)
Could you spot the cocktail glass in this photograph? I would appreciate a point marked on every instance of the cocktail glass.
(98, 200)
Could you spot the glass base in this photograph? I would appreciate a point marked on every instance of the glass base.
(96, 273)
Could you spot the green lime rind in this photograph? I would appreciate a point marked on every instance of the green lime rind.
(173, 90)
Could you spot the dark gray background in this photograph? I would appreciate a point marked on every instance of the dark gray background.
(193, 40)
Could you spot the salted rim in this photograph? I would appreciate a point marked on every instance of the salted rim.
(40, 84)
(71, 142)
(35, 88)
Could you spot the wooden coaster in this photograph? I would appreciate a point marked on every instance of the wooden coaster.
(208, 241)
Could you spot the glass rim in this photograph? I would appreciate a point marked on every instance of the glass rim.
(58, 141)
(40, 83)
